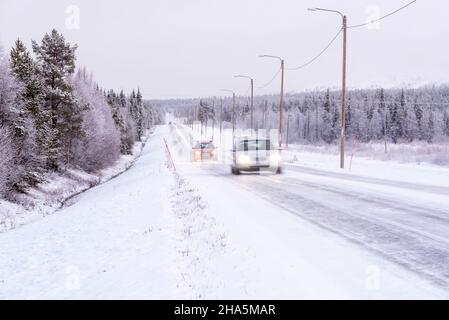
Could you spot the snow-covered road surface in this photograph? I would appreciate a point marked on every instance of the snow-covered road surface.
(203, 233)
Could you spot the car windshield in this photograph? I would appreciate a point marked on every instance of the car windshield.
(255, 144)
(204, 145)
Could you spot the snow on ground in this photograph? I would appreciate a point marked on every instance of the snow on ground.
(425, 174)
(416, 152)
(202, 233)
(60, 187)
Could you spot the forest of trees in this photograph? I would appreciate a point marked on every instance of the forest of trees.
(53, 116)
(393, 115)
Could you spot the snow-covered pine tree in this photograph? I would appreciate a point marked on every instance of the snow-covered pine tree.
(56, 61)
(430, 130)
(446, 123)
(418, 116)
(33, 140)
(405, 119)
(140, 115)
(326, 129)
(9, 88)
(394, 128)
(383, 115)
(128, 135)
(348, 119)
(114, 104)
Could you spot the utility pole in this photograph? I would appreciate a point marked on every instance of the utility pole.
(221, 119)
(281, 106)
(281, 103)
(252, 98)
(213, 120)
(233, 117)
(265, 116)
(343, 98)
(343, 89)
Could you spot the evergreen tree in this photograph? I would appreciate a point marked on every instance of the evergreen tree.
(348, 119)
(112, 100)
(335, 121)
(11, 170)
(56, 60)
(405, 127)
(418, 115)
(141, 114)
(394, 128)
(383, 115)
(446, 124)
(430, 132)
(327, 133)
(32, 98)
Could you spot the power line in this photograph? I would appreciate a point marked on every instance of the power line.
(271, 80)
(319, 54)
(349, 27)
(383, 17)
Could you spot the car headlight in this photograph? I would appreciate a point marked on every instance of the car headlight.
(243, 159)
(275, 158)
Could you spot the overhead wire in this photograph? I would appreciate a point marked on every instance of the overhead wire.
(271, 80)
(383, 17)
(319, 54)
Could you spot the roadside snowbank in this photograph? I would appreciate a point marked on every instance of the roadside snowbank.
(60, 189)
(198, 239)
(417, 152)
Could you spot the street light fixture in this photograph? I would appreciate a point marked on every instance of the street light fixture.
(281, 103)
(343, 95)
(252, 97)
(327, 10)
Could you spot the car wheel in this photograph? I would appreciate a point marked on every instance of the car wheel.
(279, 170)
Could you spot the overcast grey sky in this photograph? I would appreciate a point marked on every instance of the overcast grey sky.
(187, 48)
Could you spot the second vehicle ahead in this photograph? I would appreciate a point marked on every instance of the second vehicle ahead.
(204, 150)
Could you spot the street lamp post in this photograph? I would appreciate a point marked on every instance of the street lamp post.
(343, 94)
(252, 98)
(281, 103)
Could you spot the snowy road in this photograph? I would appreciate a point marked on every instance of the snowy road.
(203, 233)
(405, 222)
(415, 235)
